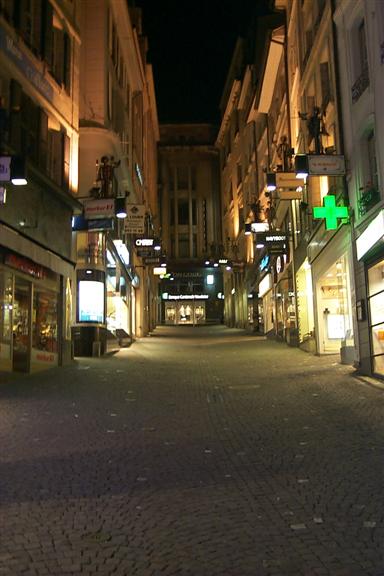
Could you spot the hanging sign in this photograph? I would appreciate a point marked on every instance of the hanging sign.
(326, 164)
(5, 168)
(100, 208)
(134, 223)
(330, 212)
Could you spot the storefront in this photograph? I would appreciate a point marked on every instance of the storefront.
(305, 312)
(370, 305)
(32, 321)
(332, 278)
(181, 311)
(266, 305)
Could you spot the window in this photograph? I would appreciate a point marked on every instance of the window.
(359, 48)
(183, 246)
(56, 47)
(182, 178)
(326, 89)
(183, 211)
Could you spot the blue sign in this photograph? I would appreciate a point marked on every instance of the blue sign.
(27, 67)
(264, 263)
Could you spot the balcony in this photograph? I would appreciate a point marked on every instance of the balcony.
(369, 197)
(360, 85)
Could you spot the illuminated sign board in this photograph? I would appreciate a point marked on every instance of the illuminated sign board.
(264, 263)
(185, 296)
(330, 212)
(91, 301)
(265, 285)
(259, 226)
(372, 234)
(144, 242)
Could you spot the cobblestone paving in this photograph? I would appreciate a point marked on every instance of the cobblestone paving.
(195, 452)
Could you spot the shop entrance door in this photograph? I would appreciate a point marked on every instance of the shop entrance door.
(21, 325)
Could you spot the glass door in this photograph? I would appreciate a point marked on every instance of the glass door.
(21, 325)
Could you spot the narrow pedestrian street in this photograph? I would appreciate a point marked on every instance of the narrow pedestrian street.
(197, 451)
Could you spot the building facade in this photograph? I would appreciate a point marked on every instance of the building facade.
(360, 36)
(296, 208)
(116, 296)
(39, 103)
(191, 287)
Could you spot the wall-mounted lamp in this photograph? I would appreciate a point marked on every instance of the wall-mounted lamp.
(120, 207)
(163, 262)
(157, 245)
(18, 171)
(301, 165)
(271, 181)
(248, 228)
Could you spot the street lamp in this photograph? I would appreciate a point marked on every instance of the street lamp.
(301, 166)
(18, 171)
(120, 207)
(271, 181)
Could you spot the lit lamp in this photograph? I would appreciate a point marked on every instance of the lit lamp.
(120, 207)
(248, 228)
(18, 171)
(301, 166)
(271, 181)
(157, 245)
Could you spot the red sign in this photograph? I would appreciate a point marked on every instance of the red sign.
(25, 265)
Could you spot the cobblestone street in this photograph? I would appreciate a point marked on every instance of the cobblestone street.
(195, 452)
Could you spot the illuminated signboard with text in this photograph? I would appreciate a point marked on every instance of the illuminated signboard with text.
(91, 301)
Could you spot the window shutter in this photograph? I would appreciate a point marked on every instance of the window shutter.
(66, 160)
(15, 99)
(47, 33)
(43, 140)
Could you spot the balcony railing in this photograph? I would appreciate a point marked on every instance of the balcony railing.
(360, 85)
(368, 199)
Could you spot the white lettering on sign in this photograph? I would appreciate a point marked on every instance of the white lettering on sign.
(144, 241)
(276, 238)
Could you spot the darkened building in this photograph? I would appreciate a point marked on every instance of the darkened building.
(191, 289)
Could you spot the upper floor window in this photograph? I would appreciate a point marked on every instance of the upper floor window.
(369, 191)
(359, 45)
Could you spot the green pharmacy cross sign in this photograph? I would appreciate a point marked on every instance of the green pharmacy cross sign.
(330, 212)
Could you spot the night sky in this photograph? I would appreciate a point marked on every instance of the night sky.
(190, 48)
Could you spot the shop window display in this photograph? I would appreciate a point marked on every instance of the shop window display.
(376, 308)
(44, 325)
(5, 316)
(335, 320)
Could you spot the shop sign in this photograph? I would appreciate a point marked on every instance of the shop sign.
(24, 265)
(159, 271)
(134, 223)
(279, 264)
(102, 224)
(288, 181)
(326, 164)
(277, 249)
(152, 261)
(290, 195)
(99, 208)
(5, 168)
(148, 242)
(373, 233)
(330, 212)
(259, 226)
(186, 296)
(264, 263)
(143, 252)
(265, 285)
